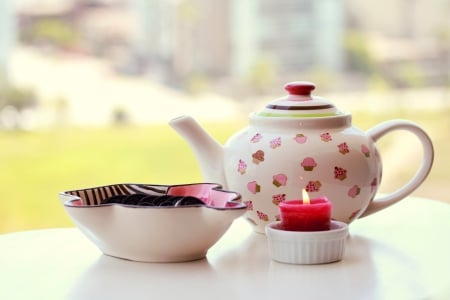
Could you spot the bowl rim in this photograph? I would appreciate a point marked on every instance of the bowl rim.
(72, 198)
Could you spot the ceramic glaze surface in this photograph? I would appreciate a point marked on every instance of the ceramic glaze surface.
(339, 162)
(301, 141)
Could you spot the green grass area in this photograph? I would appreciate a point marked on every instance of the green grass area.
(35, 166)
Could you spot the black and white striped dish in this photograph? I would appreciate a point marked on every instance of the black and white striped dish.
(211, 194)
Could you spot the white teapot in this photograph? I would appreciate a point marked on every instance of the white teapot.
(302, 142)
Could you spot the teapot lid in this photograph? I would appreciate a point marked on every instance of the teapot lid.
(300, 103)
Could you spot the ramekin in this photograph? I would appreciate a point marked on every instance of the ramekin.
(307, 247)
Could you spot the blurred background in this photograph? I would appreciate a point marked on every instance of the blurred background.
(87, 86)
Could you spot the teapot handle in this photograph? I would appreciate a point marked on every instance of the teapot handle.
(379, 131)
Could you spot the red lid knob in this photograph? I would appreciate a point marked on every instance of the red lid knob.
(301, 88)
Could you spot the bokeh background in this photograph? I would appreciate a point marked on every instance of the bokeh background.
(87, 86)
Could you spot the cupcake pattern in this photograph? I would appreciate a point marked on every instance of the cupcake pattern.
(365, 150)
(275, 143)
(262, 216)
(256, 138)
(326, 137)
(353, 215)
(300, 138)
(276, 199)
(373, 185)
(308, 164)
(253, 187)
(343, 148)
(354, 191)
(258, 156)
(313, 186)
(279, 180)
(249, 204)
(242, 167)
(309, 167)
(340, 173)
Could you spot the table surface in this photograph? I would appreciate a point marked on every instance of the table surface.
(399, 253)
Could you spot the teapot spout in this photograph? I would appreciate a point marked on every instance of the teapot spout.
(207, 150)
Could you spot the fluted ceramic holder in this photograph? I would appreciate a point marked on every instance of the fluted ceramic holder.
(307, 247)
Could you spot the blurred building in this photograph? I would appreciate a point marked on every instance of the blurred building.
(295, 35)
(7, 35)
(225, 38)
(406, 36)
(182, 38)
(175, 40)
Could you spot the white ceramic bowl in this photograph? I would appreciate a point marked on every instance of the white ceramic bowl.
(307, 247)
(154, 234)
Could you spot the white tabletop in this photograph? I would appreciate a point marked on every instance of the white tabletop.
(402, 252)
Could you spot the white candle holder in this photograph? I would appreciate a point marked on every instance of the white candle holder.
(307, 247)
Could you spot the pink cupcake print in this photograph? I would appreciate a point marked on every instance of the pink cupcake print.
(262, 216)
(340, 173)
(253, 187)
(256, 138)
(353, 215)
(249, 204)
(343, 148)
(242, 167)
(275, 143)
(276, 199)
(354, 191)
(326, 137)
(300, 138)
(258, 157)
(308, 164)
(373, 185)
(365, 150)
(313, 186)
(279, 180)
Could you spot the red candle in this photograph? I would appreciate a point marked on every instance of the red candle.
(306, 215)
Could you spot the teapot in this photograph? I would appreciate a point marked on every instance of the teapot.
(297, 142)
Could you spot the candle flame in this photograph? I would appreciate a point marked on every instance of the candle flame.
(305, 197)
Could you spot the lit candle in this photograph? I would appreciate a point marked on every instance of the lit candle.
(306, 214)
